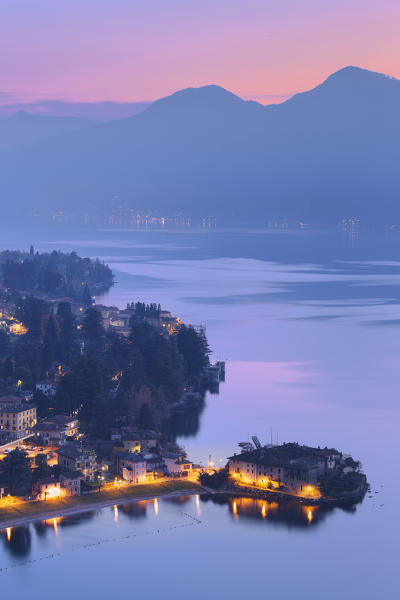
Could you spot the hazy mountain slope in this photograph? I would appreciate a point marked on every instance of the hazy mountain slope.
(23, 129)
(341, 147)
(92, 111)
(322, 155)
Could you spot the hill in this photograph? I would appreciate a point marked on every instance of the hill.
(24, 129)
(325, 154)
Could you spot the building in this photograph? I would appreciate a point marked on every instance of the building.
(17, 328)
(56, 430)
(50, 433)
(290, 467)
(138, 440)
(131, 467)
(120, 322)
(177, 464)
(26, 395)
(17, 417)
(71, 424)
(47, 387)
(46, 488)
(71, 483)
(74, 456)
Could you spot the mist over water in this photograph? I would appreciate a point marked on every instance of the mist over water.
(308, 322)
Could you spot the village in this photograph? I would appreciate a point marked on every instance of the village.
(75, 466)
(62, 460)
(104, 415)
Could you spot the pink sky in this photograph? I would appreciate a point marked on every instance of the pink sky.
(130, 50)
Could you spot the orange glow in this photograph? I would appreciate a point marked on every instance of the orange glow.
(53, 492)
(198, 509)
(116, 513)
(310, 510)
(264, 510)
(234, 509)
(8, 534)
(55, 525)
(156, 506)
(312, 491)
(18, 328)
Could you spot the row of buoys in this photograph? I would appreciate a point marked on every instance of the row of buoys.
(125, 537)
(192, 517)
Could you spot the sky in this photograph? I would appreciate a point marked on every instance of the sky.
(141, 50)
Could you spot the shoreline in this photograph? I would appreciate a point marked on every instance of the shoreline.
(253, 492)
(44, 515)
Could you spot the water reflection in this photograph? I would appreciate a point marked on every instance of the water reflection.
(185, 420)
(178, 499)
(135, 510)
(284, 513)
(16, 540)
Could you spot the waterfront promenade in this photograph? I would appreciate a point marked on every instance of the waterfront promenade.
(19, 513)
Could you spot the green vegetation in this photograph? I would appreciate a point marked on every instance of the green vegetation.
(339, 484)
(16, 473)
(216, 481)
(107, 379)
(54, 274)
(135, 380)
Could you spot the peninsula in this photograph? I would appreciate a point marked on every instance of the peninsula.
(92, 397)
(317, 475)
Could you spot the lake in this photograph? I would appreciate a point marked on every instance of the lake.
(308, 322)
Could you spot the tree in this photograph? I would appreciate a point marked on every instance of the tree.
(42, 468)
(67, 330)
(17, 472)
(5, 344)
(92, 324)
(87, 296)
(145, 419)
(49, 343)
(194, 348)
(8, 368)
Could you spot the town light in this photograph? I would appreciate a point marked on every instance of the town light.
(53, 492)
(312, 491)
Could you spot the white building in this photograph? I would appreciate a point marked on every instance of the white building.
(177, 464)
(133, 468)
(47, 387)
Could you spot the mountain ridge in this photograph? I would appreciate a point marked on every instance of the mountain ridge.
(326, 153)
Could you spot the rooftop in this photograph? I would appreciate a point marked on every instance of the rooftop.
(71, 475)
(22, 406)
(61, 420)
(10, 400)
(48, 426)
(46, 481)
(73, 451)
(289, 455)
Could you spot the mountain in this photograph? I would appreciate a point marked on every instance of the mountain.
(325, 154)
(92, 111)
(24, 129)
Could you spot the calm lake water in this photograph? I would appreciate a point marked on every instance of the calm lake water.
(308, 323)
